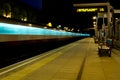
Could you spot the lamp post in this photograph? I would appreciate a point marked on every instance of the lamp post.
(95, 25)
(95, 20)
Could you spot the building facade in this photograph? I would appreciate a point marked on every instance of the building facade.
(17, 10)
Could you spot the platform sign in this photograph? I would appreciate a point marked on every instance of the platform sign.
(116, 10)
(101, 9)
(101, 15)
(91, 9)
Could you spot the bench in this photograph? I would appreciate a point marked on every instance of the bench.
(105, 48)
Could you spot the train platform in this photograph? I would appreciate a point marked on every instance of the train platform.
(76, 61)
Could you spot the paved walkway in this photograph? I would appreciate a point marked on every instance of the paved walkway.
(102, 68)
(75, 61)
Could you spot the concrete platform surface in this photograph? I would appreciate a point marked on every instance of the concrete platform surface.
(76, 61)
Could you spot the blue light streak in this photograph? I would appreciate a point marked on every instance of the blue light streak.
(13, 29)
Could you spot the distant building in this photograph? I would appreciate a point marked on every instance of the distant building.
(17, 10)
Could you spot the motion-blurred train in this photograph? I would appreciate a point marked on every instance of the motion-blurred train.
(18, 41)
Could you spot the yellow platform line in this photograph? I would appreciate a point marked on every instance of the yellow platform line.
(24, 72)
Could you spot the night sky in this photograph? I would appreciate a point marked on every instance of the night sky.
(37, 4)
(61, 12)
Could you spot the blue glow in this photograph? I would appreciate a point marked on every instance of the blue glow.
(13, 29)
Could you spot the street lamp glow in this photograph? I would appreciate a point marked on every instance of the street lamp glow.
(116, 18)
(94, 25)
(49, 24)
(59, 26)
(94, 17)
(94, 22)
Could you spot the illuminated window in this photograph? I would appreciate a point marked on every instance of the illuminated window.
(24, 19)
(7, 15)
(7, 10)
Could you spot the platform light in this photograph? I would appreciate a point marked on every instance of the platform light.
(59, 26)
(49, 24)
(94, 22)
(116, 18)
(94, 18)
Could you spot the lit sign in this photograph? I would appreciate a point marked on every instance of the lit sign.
(90, 10)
